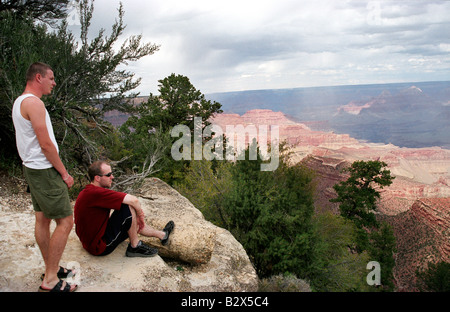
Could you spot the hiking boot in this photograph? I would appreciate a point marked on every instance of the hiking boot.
(141, 250)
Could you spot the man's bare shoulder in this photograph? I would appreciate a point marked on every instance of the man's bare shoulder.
(33, 101)
(32, 106)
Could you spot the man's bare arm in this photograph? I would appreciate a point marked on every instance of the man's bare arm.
(33, 109)
(133, 202)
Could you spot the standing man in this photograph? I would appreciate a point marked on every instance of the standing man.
(100, 231)
(45, 173)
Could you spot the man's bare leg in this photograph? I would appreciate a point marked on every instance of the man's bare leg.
(52, 247)
(42, 234)
(151, 232)
(146, 231)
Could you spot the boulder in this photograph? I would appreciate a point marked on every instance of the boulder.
(193, 239)
(199, 257)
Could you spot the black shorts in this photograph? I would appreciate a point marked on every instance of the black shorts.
(117, 228)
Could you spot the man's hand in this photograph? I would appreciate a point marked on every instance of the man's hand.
(68, 180)
(134, 203)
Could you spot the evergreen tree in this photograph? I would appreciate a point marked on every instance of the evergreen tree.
(178, 103)
(47, 11)
(271, 215)
(88, 83)
(357, 197)
(435, 278)
(381, 248)
(341, 270)
(205, 185)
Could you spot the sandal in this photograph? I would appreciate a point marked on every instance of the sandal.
(61, 273)
(58, 286)
(168, 229)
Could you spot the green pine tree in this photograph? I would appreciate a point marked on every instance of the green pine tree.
(357, 197)
(271, 215)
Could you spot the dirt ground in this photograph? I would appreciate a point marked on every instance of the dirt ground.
(13, 195)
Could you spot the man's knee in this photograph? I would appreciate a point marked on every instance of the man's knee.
(41, 219)
(126, 212)
(65, 223)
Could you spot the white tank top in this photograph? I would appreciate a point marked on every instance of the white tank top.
(27, 143)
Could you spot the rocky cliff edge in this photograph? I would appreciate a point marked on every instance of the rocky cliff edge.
(199, 257)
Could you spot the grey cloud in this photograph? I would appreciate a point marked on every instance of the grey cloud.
(297, 38)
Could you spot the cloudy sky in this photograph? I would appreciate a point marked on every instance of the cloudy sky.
(239, 45)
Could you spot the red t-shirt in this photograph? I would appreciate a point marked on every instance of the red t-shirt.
(91, 213)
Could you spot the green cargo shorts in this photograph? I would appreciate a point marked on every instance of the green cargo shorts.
(49, 193)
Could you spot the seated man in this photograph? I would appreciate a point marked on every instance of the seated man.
(99, 232)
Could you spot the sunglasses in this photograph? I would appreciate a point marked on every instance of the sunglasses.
(105, 175)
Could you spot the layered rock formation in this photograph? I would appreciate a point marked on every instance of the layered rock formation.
(296, 134)
(420, 172)
(422, 235)
(199, 257)
(416, 204)
(436, 212)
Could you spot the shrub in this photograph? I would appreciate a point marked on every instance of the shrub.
(281, 283)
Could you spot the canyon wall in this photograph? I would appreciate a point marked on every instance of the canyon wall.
(417, 204)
